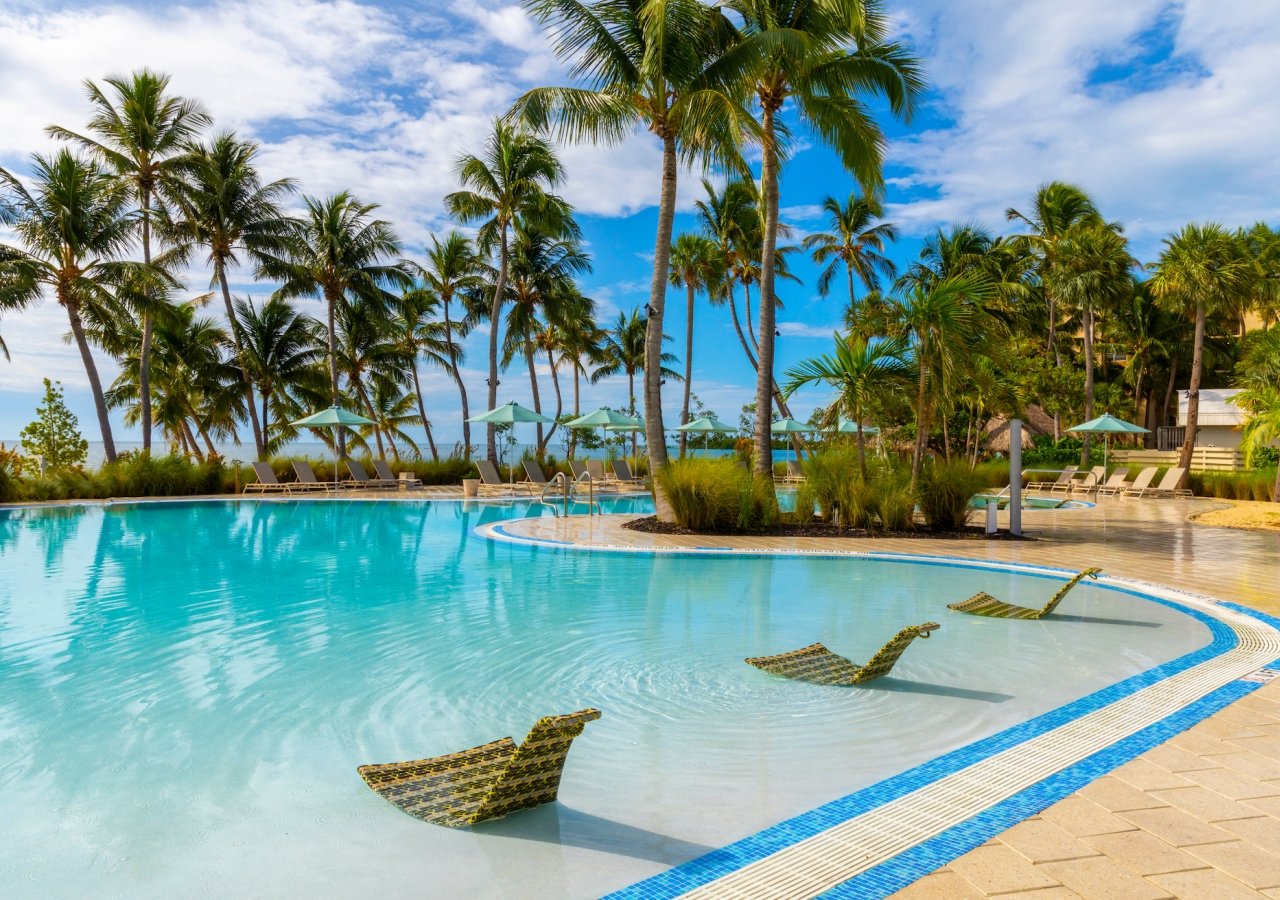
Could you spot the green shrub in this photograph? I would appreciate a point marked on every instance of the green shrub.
(717, 495)
(946, 487)
(1255, 485)
(835, 485)
(893, 500)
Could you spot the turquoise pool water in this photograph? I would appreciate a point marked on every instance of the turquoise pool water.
(186, 690)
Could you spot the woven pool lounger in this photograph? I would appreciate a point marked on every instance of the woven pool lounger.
(485, 782)
(983, 604)
(819, 665)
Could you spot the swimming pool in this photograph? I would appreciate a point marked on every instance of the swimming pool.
(186, 690)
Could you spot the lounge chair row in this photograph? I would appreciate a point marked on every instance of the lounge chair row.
(306, 479)
(1071, 480)
(621, 477)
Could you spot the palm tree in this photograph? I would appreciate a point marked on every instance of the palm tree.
(801, 52)
(223, 207)
(393, 409)
(1202, 270)
(943, 325)
(857, 240)
(728, 217)
(369, 351)
(454, 268)
(142, 135)
(1259, 381)
(543, 269)
(282, 347)
(696, 265)
(342, 254)
(508, 184)
(1095, 273)
(624, 351)
(74, 227)
(863, 373)
(420, 335)
(661, 66)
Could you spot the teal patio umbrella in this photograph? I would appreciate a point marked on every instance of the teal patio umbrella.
(848, 426)
(1107, 425)
(510, 414)
(334, 417)
(604, 418)
(706, 425)
(791, 426)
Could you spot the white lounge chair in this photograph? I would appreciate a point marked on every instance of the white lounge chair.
(1064, 477)
(1115, 484)
(1168, 486)
(1090, 480)
(1142, 483)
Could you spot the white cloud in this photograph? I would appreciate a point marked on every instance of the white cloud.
(1189, 140)
(805, 330)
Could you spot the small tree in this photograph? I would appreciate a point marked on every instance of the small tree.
(55, 434)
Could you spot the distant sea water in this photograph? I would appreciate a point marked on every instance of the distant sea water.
(314, 449)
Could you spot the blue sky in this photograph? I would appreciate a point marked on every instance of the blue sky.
(1166, 112)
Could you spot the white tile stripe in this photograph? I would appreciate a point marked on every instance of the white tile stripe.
(825, 860)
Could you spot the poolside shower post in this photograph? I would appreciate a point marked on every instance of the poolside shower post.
(1015, 476)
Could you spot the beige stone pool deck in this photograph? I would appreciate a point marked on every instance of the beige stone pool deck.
(1196, 817)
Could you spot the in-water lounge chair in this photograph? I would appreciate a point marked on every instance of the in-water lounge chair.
(1064, 478)
(1168, 486)
(1142, 483)
(406, 478)
(362, 479)
(983, 604)
(819, 665)
(485, 782)
(267, 481)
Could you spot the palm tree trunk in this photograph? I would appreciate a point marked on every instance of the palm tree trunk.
(862, 448)
(768, 306)
(922, 424)
(190, 439)
(422, 412)
(751, 331)
(331, 304)
(266, 415)
(358, 384)
(95, 384)
(853, 303)
(495, 322)
(537, 397)
(457, 377)
(1168, 391)
(737, 326)
(144, 352)
(688, 365)
(654, 431)
(577, 396)
(1193, 393)
(238, 340)
(555, 383)
(1088, 381)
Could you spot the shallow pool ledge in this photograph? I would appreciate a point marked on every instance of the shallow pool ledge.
(878, 840)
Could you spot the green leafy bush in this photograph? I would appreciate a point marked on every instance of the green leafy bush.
(894, 501)
(55, 434)
(717, 495)
(946, 487)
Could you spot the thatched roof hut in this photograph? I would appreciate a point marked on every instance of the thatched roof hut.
(1035, 421)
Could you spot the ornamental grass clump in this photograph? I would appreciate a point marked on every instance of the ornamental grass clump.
(717, 495)
(893, 500)
(945, 490)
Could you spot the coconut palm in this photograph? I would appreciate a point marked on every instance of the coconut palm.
(393, 411)
(453, 267)
(823, 57)
(656, 65)
(943, 326)
(543, 269)
(421, 335)
(340, 253)
(223, 207)
(141, 133)
(1202, 270)
(863, 373)
(696, 265)
(727, 217)
(856, 241)
(509, 183)
(624, 350)
(369, 350)
(1095, 273)
(281, 347)
(74, 226)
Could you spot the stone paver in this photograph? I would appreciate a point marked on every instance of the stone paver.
(1198, 817)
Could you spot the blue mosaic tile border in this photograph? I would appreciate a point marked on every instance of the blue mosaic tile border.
(721, 862)
(925, 857)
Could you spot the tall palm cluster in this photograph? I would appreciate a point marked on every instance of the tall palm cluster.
(1058, 314)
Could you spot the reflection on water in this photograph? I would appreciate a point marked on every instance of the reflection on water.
(191, 683)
